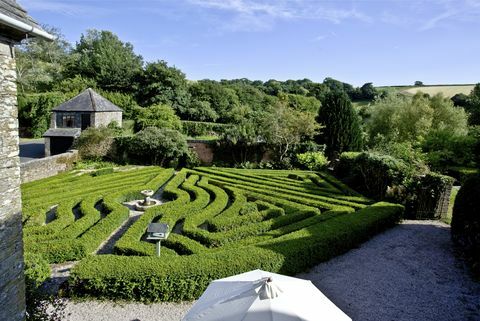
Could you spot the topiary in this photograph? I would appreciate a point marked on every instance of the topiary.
(466, 221)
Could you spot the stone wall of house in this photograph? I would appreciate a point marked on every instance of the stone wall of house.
(48, 166)
(105, 118)
(204, 151)
(12, 285)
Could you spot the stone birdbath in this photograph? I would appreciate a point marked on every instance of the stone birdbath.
(147, 202)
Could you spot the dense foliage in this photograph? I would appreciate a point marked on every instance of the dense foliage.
(244, 115)
(342, 128)
(466, 221)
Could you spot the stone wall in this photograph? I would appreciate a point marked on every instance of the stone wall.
(204, 150)
(105, 118)
(48, 166)
(12, 285)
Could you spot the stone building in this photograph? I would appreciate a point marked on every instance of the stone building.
(15, 25)
(88, 109)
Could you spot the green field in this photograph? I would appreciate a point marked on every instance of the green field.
(447, 90)
(224, 221)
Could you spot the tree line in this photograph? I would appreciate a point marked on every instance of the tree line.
(293, 116)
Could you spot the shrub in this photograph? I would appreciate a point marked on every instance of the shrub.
(186, 277)
(314, 161)
(37, 270)
(95, 143)
(466, 221)
(158, 146)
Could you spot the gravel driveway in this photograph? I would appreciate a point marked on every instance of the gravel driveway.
(407, 273)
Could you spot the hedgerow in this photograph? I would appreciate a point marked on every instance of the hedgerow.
(186, 277)
(222, 222)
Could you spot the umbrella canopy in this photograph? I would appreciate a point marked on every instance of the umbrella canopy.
(263, 296)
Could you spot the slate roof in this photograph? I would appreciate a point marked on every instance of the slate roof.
(62, 132)
(88, 101)
(12, 9)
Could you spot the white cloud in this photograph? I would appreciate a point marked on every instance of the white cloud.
(256, 15)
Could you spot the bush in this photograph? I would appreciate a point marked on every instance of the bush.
(466, 221)
(103, 171)
(37, 270)
(314, 161)
(158, 146)
(95, 143)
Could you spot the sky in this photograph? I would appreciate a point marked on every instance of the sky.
(387, 42)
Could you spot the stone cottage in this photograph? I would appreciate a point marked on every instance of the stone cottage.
(15, 25)
(88, 109)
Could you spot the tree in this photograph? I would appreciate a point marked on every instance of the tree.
(40, 63)
(342, 127)
(447, 117)
(300, 103)
(160, 116)
(102, 56)
(161, 84)
(159, 146)
(418, 83)
(400, 119)
(368, 92)
(34, 110)
(473, 105)
(284, 128)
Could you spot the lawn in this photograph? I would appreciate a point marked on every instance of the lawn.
(224, 221)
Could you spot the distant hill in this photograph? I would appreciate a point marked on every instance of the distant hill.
(446, 90)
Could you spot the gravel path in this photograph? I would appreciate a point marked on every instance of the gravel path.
(407, 273)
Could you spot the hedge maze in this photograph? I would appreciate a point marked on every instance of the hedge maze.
(223, 221)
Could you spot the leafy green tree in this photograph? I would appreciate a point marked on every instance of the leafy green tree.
(342, 127)
(301, 103)
(159, 146)
(220, 98)
(284, 128)
(161, 84)
(74, 86)
(102, 56)
(40, 63)
(473, 105)
(418, 83)
(368, 92)
(399, 119)
(447, 117)
(160, 116)
(34, 110)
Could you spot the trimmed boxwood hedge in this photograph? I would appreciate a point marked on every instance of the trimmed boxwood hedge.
(186, 277)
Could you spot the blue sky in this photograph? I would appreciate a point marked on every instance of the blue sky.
(386, 42)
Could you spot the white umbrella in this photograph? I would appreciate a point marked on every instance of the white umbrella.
(263, 296)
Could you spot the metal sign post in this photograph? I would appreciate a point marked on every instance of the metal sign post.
(157, 232)
(158, 247)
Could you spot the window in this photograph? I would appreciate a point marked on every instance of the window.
(68, 121)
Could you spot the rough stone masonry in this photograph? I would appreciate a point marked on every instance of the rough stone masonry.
(12, 287)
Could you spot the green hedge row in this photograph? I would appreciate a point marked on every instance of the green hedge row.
(186, 277)
(327, 202)
(86, 237)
